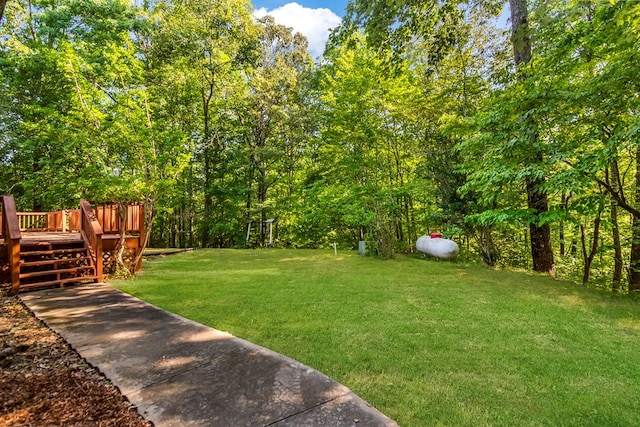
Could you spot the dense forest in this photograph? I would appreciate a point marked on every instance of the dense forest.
(521, 143)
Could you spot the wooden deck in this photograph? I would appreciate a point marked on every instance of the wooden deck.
(39, 249)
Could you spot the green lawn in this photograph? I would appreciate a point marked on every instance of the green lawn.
(426, 342)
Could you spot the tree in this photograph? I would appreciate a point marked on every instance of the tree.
(271, 114)
(539, 231)
(199, 54)
(455, 87)
(368, 133)
(586, 50)
(397, 26)
(94, 133)
(444, 40)
(57, 69)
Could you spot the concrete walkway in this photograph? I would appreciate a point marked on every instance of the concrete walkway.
(181, 373)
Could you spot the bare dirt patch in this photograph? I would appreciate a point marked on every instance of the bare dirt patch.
(43, 382)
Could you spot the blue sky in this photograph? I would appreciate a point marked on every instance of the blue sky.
(337, 6)
(313, 18)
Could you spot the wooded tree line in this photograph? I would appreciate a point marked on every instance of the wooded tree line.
(521, 143)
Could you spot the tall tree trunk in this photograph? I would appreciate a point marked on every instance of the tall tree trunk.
(540, 235)
(634, 261)
(407, 220)
(541, 249)
(190, 202)
(262, 200)
(561, 237)
(565, 205)
(181, 226)
(617, 248)
(207, 95)
(208, 200)
(174, 227)
(3, 3)
(588, 257)
(249, 196)
(122, 219)
(148, 215)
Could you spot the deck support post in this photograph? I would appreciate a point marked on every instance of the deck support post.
(13, 249)
(142, 223)
(98, 252)
(12, 236)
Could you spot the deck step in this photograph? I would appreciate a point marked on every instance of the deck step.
(57, 282)
(56, 271)
(39, 263)
(54, 252)
(54, 259)
(33, 242)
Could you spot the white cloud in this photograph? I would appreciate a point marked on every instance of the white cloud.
(315, 24)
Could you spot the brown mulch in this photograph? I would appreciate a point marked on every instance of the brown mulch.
(43, 382)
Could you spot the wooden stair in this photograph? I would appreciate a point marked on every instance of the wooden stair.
(55, 262)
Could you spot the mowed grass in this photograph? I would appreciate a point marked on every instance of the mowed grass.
(426, 342)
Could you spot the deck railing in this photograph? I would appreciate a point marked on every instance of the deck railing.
(64, 220)
(109, 219)
(70, 220)
(36, 221)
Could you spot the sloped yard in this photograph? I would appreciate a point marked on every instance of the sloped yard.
(425, 342)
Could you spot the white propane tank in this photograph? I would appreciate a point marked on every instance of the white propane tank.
(438, 247)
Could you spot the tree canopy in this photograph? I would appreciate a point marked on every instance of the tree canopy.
(521, 143)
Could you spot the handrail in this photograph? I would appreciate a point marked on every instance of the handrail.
(12, 236)
(92, 230)
(10, 225)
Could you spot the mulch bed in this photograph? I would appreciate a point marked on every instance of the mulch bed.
(43, 382)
